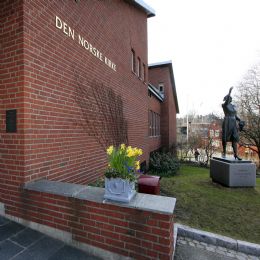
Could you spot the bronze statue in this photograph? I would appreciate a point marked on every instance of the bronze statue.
(229, 126)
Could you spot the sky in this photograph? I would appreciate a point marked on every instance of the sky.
(211, 43)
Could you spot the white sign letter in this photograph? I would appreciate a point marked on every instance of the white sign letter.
(58, 22)
(81, 41)
(71, 33)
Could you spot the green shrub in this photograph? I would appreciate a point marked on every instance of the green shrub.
(98, 183)
(164, 164)
(194, 164)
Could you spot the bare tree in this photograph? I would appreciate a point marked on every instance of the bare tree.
(197, 135)
(209, 149)
(102, 113)
(248, 100)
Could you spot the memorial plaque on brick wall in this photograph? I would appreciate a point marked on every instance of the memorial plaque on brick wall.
(11, 121)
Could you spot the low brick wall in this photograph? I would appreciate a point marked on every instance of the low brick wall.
(142, 229)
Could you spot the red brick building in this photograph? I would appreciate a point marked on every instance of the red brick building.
(69, 71)
(48, 53)
(161, 78)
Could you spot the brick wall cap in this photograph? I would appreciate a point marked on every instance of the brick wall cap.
(55, 187)
(153, 203)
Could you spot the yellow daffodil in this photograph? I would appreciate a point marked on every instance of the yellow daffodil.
(110, 150)
(123, 162)
(135, 150)
(138, 152)
(130, 151)
(137, 165)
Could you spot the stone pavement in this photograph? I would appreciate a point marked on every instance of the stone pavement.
(190, 249)
(18, 242)
(194, 244)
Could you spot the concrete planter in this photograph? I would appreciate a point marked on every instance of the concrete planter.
(119, 190)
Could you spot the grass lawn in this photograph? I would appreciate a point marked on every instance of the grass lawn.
(233, 212)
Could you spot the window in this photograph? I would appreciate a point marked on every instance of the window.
(133, 61)
(144, 72)
(184, 130)
(154, 124)
(150, 123)
(139, 68)
(158, 125)
(161, 88)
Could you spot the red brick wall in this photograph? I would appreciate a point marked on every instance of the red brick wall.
(12, 77)
(130, 232)
(168, 110)
(42, 68)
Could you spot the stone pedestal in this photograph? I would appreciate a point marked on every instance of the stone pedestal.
(233, 173)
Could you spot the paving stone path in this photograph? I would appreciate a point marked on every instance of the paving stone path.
(190, 249)
(18, 242)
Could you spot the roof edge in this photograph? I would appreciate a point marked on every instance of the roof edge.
(161, 63)
(169, 65)
(143, 6)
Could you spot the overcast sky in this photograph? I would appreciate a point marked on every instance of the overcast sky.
(212, 44)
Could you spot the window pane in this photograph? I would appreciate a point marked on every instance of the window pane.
(139, 73)
(144, 72)
(153, 124)
(133, 61)
(159, 126)
(150, 123)
(156, 124)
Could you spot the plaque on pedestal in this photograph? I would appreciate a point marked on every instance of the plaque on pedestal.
(11, 121)
(233, 173)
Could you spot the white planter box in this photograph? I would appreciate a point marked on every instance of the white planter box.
(119, 190)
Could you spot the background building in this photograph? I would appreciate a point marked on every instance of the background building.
(161, 79)
(199, 132)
